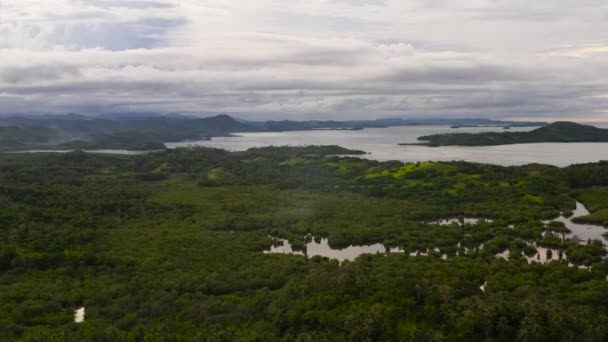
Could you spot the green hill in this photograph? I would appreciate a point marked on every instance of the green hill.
(129, 132)
(561, 131)
(14, 137)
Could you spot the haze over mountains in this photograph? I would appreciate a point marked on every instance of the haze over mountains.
(148, 132)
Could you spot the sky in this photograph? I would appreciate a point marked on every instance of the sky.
(307, 59)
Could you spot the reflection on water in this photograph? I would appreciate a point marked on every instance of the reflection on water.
(350, 253)
(582, 232)
(323, 249)
(283, 248)
(461, 221)
(383, 145)
(545, 255)
(542, 256)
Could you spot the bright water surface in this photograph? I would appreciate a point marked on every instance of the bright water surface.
(79, 315)
(460, 221)
(581, 231)
(323, 249)
(383, 145)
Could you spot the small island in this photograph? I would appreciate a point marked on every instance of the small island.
(562, 131)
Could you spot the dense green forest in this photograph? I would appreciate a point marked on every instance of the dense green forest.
(169, 246)
(556, 132)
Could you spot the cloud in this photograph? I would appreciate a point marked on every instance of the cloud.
(306, 59)
(36, 73)
(584, 51)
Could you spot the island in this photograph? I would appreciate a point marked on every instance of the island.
(561, 131)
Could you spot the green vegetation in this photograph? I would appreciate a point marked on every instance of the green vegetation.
(130, 133)
(169, 246)
(19, 137)
(596, 200)
(557, 226)
(404, 170)
(556, 132)
(533, 198)
(599, 217)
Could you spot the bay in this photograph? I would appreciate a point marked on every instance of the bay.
(383, 144)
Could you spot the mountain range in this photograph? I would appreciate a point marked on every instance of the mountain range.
(146, 132)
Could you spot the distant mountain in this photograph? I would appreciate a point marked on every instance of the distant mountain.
(458, 122)
(139, 131)
(14, 137)
(562, 131)
(219, 125)
(120, 116)
(286, 125)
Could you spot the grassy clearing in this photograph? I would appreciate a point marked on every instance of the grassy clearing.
(409, 168)
(216, 174)
(346, 166)
(297, 161)
(533, 198)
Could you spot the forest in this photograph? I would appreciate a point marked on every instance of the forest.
(169, 246)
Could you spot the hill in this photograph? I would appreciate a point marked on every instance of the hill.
(121, 132)
(561, 131)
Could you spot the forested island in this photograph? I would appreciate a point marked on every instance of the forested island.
(145, 132)
(171, 246)
(557, 132)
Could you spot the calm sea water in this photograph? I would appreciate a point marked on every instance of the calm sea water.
(383, 144)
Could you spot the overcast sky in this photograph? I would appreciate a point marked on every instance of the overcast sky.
(300, 59)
